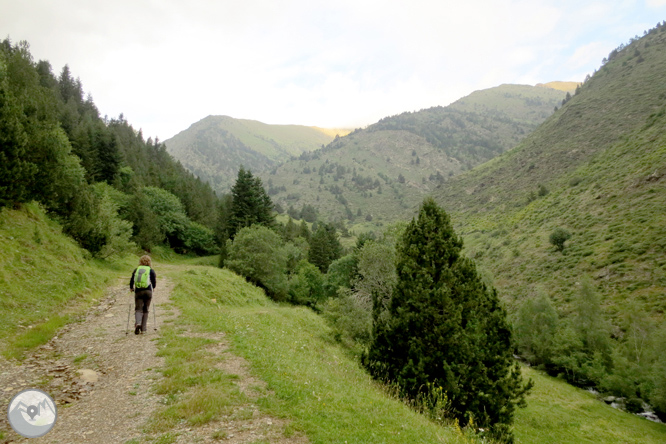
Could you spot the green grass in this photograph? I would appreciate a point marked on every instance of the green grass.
(558, 413)
(312, 381)
(46, 279)
(318, 386)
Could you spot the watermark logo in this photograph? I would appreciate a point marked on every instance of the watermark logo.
(32, 413)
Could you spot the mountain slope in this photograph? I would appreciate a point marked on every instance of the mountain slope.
(601, 161)
(216, 146)
(383, 171)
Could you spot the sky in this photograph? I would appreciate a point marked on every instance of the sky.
(166, 64)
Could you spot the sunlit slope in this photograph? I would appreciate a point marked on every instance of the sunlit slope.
(569, 87)
(215, 147)
(382, 172)
(602, 161)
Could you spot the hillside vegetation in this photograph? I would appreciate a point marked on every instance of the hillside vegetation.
(381, 173)
(215, 147)
(601, 160)
(316, 385)
(595, 170)
(46, 279)
(109, 188)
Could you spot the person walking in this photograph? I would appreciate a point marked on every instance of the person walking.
(142, 283)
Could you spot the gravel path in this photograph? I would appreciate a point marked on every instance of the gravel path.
(99, 376)
(102, 378)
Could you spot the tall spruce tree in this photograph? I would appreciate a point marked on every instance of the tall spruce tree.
(445, 328)
(250, 204)
(325, 247)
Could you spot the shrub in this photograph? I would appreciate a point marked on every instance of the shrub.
(257, 254)
(559, 237)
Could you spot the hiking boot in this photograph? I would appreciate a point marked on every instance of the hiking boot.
(137, 329)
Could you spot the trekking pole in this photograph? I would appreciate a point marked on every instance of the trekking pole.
(129, 311)
(154, 317)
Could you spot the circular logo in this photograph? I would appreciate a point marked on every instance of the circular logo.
(32, 413)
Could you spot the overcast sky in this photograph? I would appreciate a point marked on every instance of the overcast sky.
(166, 64)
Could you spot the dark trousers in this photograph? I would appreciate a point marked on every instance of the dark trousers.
(142, 300)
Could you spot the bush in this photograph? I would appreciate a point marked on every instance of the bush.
(257, 254)
(535, 328)
(306, 286)
(559, 237)
(350, 317)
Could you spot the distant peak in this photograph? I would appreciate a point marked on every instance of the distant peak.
(560, 86)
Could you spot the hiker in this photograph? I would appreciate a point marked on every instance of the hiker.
(142, 283)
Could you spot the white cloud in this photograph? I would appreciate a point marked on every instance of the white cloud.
(656, 3)
(346, 63)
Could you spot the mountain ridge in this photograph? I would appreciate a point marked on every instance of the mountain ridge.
(215, 147)
(378, 174)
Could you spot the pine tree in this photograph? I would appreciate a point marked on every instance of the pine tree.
(250, 203)
(445, 328)
(15, 172)
(324, 247)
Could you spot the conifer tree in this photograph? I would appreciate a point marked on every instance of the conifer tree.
(445, 328)
(324, 247)
(250, 204)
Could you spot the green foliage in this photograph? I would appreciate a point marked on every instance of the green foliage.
(250, 204)
(113, 232)
(325, 246)
(15, 171)
(447, 328)
(199, 240)
(341, 273)
(257, 253)
(376, 276)
(535, 328)
(71, 149)
(558, 237)
(306, 285)
(169, 214)
(351, 319)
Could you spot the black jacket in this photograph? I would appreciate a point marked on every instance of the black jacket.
(153, 281)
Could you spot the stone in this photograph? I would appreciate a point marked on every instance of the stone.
(88, 375)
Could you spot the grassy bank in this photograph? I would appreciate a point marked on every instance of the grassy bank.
(312, 382)
(559, 413)
(46, 279)
(322, 391)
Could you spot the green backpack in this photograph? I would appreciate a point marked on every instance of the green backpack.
(142, 277)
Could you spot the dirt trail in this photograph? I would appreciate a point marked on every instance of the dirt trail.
(111, 400)
(101, 377)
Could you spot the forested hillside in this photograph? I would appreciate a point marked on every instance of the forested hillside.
(381, 173)
(109, 187)
(214, 148)
(570, 226)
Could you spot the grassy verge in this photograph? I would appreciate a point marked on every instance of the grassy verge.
(323, 392)
(560, 413)
(312, 382)
(46, 279)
